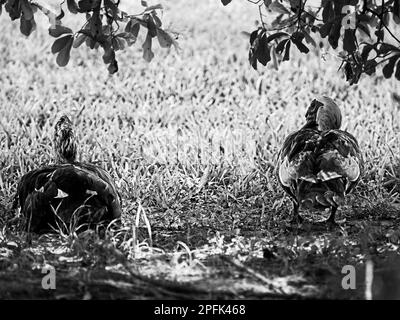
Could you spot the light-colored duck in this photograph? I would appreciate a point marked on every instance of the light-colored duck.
(319, 164)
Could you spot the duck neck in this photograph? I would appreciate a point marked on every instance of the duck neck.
(311, 124)
(65, 147)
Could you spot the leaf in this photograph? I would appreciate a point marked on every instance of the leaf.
(334, 35)
(27, 26)
(113, 67)
(151, 26)
(60, 43)
(13, 8)
(86, 32)
(61, 15)
(164, 38)
(386, 18)
(328, 12)
(300, 46)
(64, 55)
(396, 19)
(370, 67)
(253, 36)
(91, 43)
(26, 9)
(287, 51)
(396, 11)
(295, 4)
(348, 72)
(79, 40)
(276, 6)
(95, 25)
(88, 5)
(253, 59)
(226, 2)
(396, 8)
(380, 34)
(281, 46)
(386, 48)
(133, 26)
(109, 55)
(274, 59)
(349, 41)
(128, 37)
(59, 30)
(135, 29)
(157, 21)
(276, 35)
(365, 51)
(397, 74)
(387, 70)
(263, 51)
(72, 6)
(109, 4)
(325, 29)
(253, 53)
(257, 39)
(363, 26)
(148, 55)
(297, 38)
(154, 7)
(373, 21)
(309, 39)
(118, 43)
(144, 3)
(106, 30)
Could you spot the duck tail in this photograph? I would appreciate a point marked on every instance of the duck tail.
(321, 194)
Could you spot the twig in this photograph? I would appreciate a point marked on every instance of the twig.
(380, 16)
(278, 291)
(170, 286)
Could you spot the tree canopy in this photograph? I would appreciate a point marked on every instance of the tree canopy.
(363, 29)
(106, 26)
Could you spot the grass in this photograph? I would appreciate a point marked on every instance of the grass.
(191, 140)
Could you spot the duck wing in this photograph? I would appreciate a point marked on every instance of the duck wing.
(69, 189)
(319, 167)
(296, 160)
(33, 201)
(105, 177)
(339, 155)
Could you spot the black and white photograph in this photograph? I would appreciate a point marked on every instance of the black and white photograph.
(200, 155)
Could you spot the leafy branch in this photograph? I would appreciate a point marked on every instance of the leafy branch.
(103, 27)
(292, 21)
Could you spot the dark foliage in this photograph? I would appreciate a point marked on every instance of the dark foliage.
(103, 27)
(361, 29)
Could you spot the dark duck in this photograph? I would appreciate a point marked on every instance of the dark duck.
(319, 164)
(67, 193)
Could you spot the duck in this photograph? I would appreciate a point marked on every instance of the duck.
(318, 165)
(67, 193)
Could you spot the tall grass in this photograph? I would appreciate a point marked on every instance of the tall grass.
(193, 135)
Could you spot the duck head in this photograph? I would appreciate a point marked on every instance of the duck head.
(323, 114)
(64, 144)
